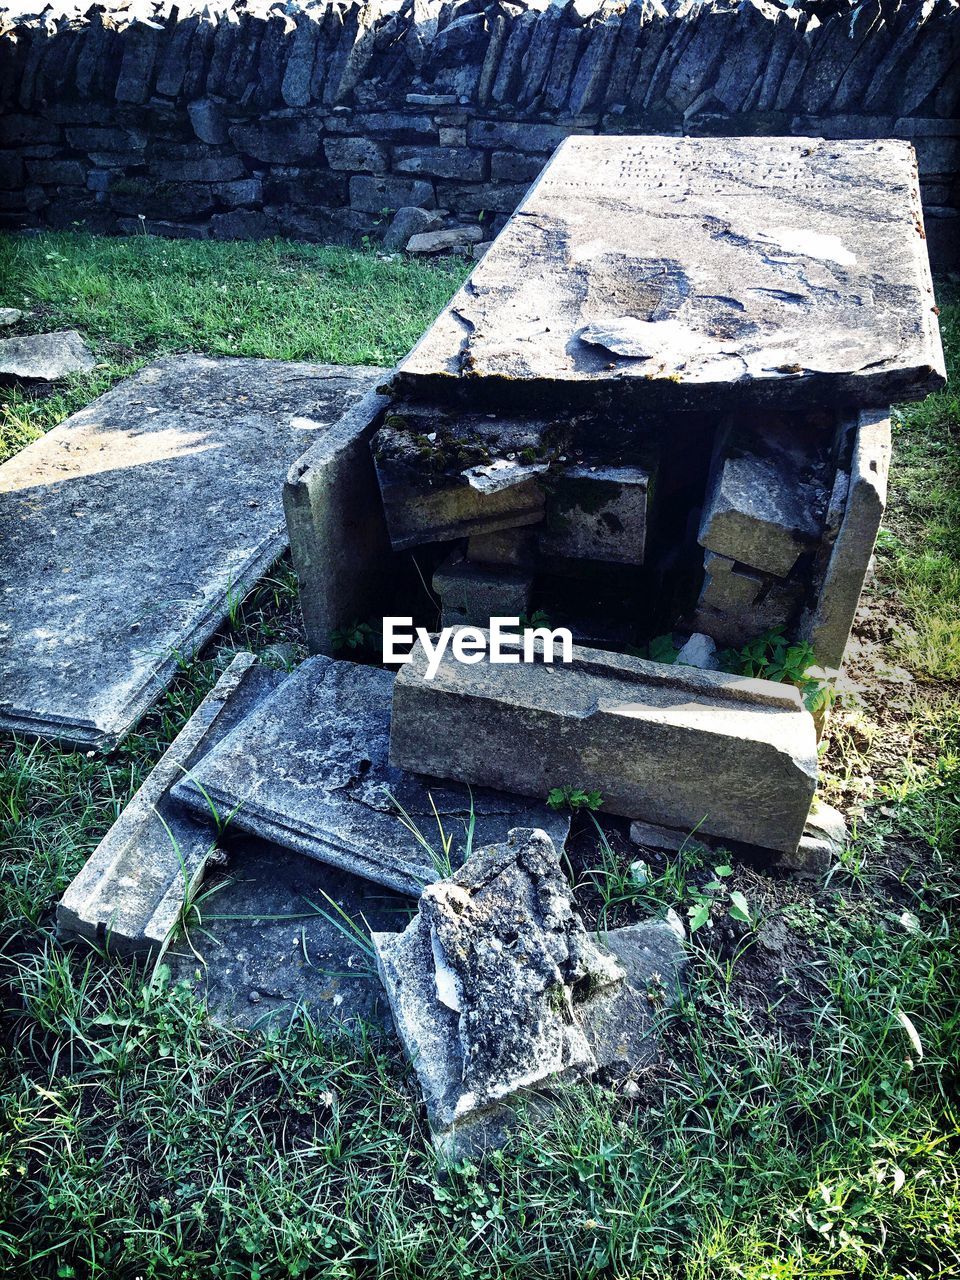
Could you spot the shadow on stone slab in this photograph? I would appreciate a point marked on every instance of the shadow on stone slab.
(129, 529)
(268, 938)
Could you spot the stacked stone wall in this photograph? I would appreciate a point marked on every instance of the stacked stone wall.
(317, 123)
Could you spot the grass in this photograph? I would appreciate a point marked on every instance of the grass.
(141, 297)
(793, 1131)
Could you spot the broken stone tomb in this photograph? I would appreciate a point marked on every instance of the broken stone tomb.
(658, 414)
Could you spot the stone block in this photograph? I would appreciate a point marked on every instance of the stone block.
(441, 162)
(69, 173)
(131, 891)
(737, 603)
(826, 625)
(308, 770)
(471, 594)
(213, 167)
(717, 309)
(359, 155)
(45, 357)
(699, 651)
(278, 140)
(335, 523)
(94, 138)
(449, 240)
(597, 513)
(242, 224)
(733, 757)
(498, 993)
(505, 547)
(374, 194)
(821, 845)
(766, 497)
(406, 223)
(426, 499)
(102, 591)
(208, 121)
(23, 130)
(513, 166)
(526, 137)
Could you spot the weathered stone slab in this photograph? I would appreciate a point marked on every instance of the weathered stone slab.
(682, 271)
(738, 603)
(308, 770)
(45, 357)
(827, 625)
(438, 484)
(505, 547)
(766, 498)
(128, 530)
(471, 594)
(597, 513)
(338, 538)
(131, 891)
(498, 992)
(731, 756)
(268, 939)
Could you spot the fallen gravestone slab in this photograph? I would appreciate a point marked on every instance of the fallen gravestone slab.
(498, 991)
(676, 746)
(131, 891)
(129, 529)
(308, 770)
(45, 357)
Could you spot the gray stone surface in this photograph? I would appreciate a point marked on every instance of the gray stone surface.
(683, 268)
(131, 891)
(338, 538)
(451, 240)
(10, 315)
(268, 940)
(652, 836)
(767, 495)
(408, 222)
(597, 513)
(823, 841)
(45, 357)
(731, 756)
(128, 530)
(498, 992)
(737, 603)
(699, 651)
(827, 624)
(513, 547)
(473, 593)
(308, 770)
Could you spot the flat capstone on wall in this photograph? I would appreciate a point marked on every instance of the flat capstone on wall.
(320, 121)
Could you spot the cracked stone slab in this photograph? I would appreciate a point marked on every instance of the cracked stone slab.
(728, 755)
(44, 357)
(498, 993)
(826, 625)
(309, 770)
(692, 271)
(129, 528)
(131, 891)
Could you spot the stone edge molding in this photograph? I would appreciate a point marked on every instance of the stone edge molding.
(681, 747)
(242, 121)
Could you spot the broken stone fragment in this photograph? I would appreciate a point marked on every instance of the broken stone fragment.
(826, 625)
(308, 770)
(45, 357)
(732, 756)
(498, 992)
(473, 593)
(766, 498)
(597, 513)
(451, 240)
(738, 603)
(512, 547)
(823, 841)
(130, 893)
(699, 651)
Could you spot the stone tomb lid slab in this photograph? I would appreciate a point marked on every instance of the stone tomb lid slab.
(683, 270)
(127, 529)
(308, 770)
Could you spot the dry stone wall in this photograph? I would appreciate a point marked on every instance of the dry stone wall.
(319, 122)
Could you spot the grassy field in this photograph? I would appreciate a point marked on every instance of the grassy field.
(804, 1123)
